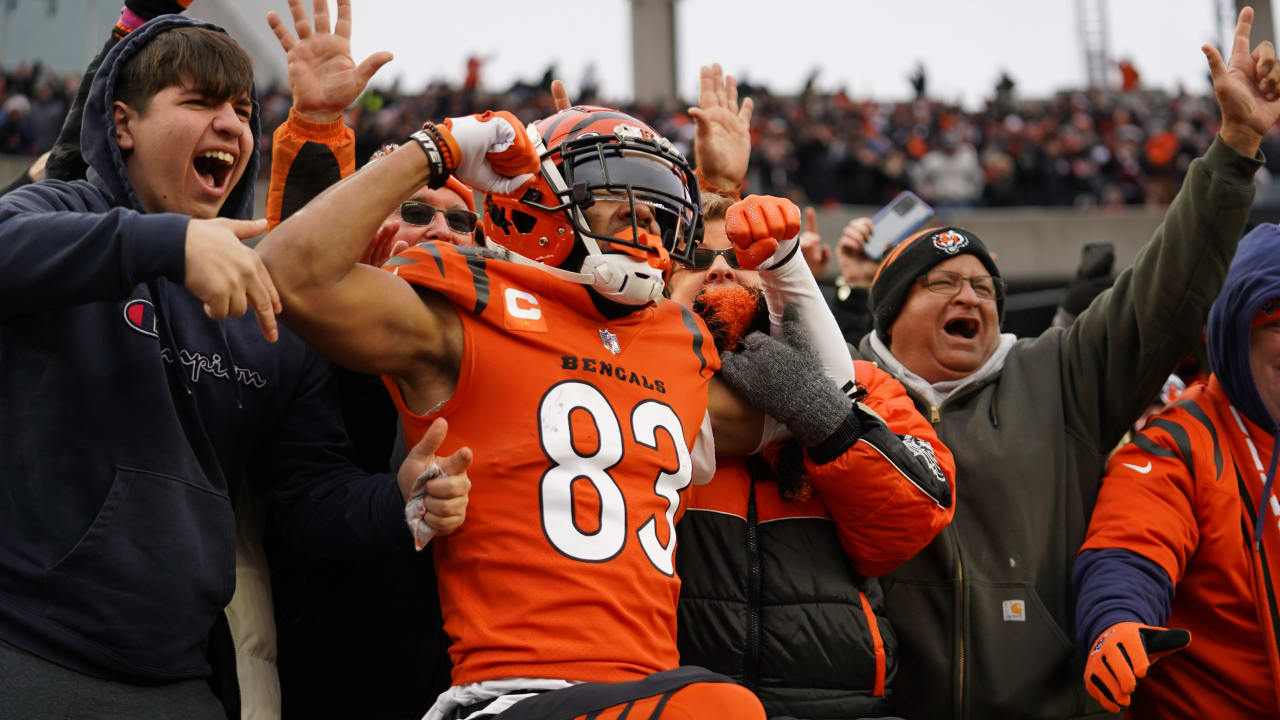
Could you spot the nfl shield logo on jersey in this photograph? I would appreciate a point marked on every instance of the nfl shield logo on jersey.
(610, 342)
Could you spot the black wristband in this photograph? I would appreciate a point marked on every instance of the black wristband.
(450, 162)
(435, 159)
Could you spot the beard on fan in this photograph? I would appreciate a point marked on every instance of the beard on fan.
(730, 312)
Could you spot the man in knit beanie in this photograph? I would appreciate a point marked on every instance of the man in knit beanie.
(960, 290)
(984, 612)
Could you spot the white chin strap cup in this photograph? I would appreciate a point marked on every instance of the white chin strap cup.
(623, 279)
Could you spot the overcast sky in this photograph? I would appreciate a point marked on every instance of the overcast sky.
(868, 47)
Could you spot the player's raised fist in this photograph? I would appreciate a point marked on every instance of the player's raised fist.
(758, 224)
(494, 153)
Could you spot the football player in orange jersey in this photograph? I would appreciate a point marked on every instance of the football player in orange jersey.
(589, 400)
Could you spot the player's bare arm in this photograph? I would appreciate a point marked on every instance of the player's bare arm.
(736, 425)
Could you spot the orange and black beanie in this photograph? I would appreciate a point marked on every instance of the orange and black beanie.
(914, 257)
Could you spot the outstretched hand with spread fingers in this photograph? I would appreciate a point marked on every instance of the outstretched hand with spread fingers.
(323, 77)
(722, 144)
(1247, 87)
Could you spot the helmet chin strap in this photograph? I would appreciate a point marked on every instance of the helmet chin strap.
(617, 277)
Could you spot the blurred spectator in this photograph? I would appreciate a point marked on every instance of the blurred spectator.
(1094, 274)
(949, 174)
(14, 130)
(472, 83)
(45, 119)
(1128, 76)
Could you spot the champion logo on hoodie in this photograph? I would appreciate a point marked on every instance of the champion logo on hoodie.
(140, 316)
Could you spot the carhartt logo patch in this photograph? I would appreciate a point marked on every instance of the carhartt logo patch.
(1014, 610)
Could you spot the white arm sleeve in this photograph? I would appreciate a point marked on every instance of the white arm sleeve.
(792, 283)
(703, 453)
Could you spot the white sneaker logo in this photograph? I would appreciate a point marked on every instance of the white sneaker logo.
(1144, 469)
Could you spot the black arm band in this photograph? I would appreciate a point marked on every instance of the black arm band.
(838, 442)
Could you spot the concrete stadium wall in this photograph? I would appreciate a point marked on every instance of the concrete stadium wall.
(1034, 245)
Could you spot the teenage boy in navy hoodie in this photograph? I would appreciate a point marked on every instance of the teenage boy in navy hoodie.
(137, 396)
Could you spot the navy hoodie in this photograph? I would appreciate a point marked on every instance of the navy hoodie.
(128, 419)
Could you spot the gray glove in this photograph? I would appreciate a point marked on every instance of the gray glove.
(784, 379)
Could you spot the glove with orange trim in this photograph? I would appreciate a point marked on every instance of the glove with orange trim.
(494, 151)
(757, 225)
(1122, 654)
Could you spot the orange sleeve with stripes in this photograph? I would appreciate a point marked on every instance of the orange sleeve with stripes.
(883, 516)
(1147, 503)
(306, 158)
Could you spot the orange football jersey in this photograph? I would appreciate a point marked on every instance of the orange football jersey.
(582, 429)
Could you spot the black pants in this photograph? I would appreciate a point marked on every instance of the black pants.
(32, 688)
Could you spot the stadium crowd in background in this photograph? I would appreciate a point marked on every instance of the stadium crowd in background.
(1077, 148)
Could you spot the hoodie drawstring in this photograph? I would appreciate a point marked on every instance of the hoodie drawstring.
(1268, 479)
(1266, 493)
(202, 442)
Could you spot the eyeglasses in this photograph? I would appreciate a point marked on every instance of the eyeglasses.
(703, 257)
(458, 219)
(945, 282)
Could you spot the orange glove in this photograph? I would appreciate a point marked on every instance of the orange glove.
(1122, 654)
(490, 151)
(757, 225)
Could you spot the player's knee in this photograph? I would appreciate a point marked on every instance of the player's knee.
(713, 700)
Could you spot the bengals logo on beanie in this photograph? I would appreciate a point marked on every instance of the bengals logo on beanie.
(914, 257)
(950, 242)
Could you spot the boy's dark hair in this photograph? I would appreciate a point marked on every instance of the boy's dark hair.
(207, 60)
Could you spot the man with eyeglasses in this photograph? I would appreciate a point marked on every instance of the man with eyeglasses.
(436, 215)
(984, 613)
(447, 214)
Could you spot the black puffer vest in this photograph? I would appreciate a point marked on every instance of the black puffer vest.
(769, 598)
